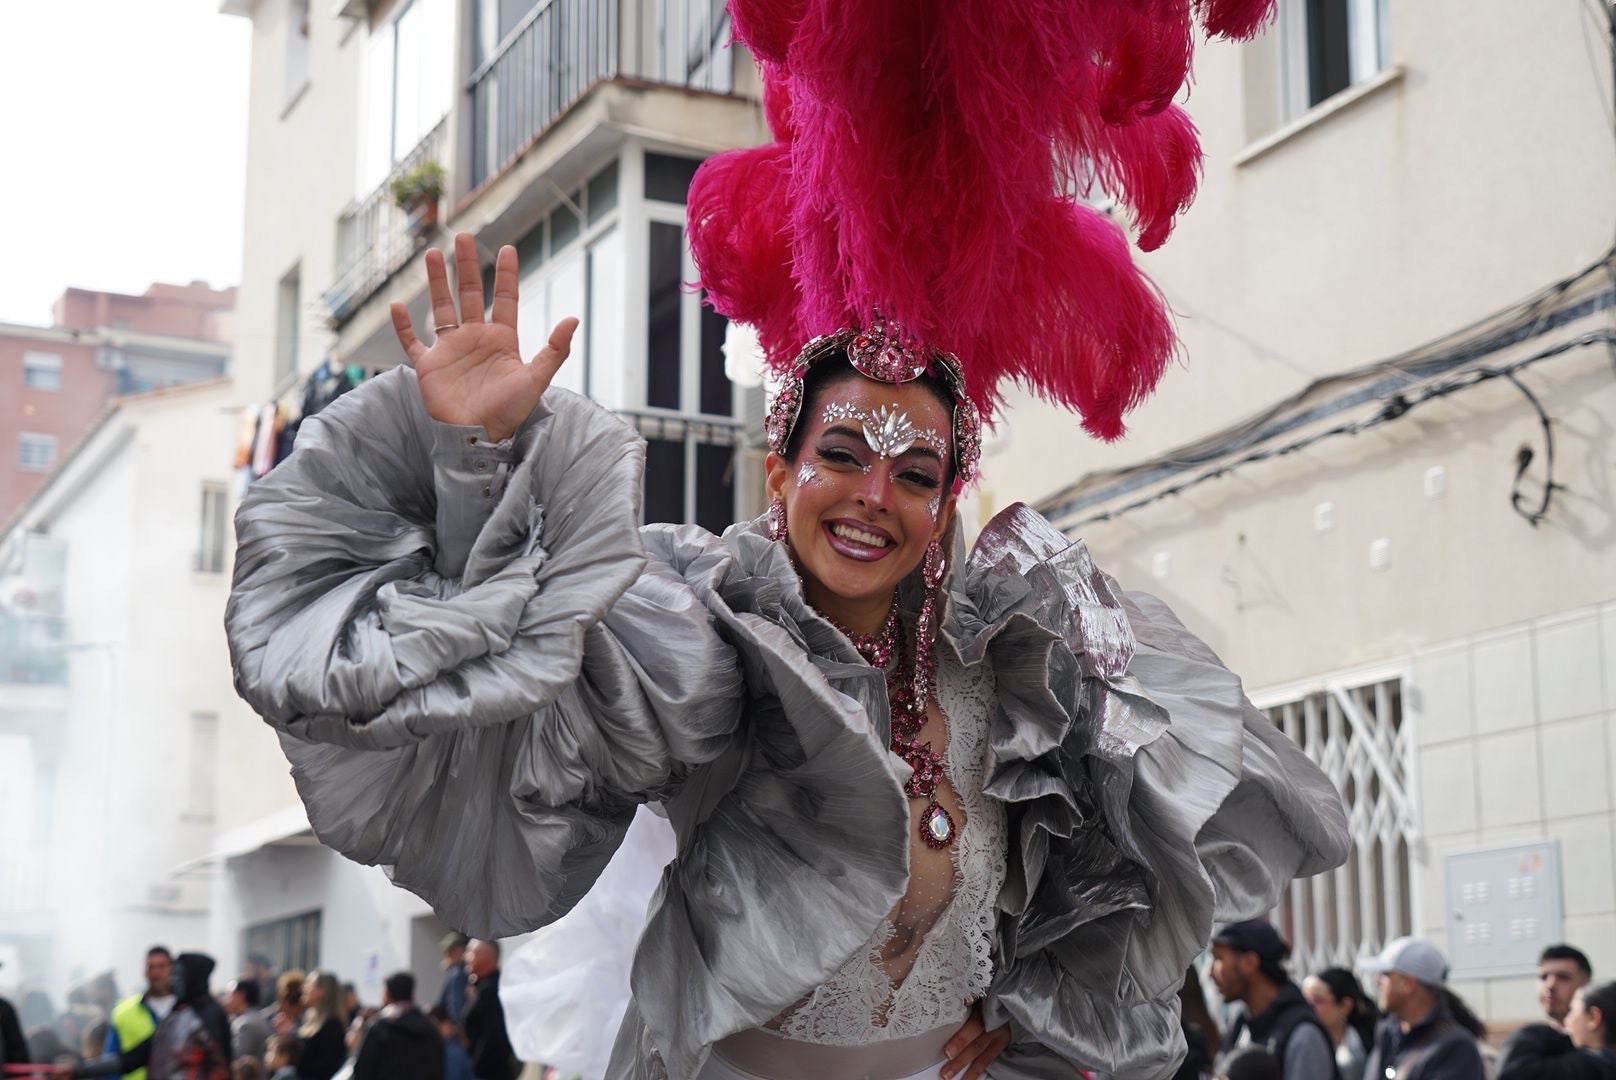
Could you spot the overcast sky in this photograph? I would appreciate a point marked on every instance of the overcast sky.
(123, 143)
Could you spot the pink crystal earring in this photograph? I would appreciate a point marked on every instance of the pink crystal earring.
(777, 521)
(936, 565)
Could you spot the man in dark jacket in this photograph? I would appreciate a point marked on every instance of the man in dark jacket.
(491, 1055)
(403, 1043)
(1248, 966)
(1419, 1039)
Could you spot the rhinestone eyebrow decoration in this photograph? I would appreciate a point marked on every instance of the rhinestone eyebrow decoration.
(889, 432)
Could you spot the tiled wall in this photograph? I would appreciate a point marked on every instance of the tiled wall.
(1517, 742)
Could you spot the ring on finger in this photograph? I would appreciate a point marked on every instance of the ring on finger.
(445, 326)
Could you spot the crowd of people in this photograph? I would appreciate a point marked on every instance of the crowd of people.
(1413, 1027)
(310, 1026)
(291, 1025)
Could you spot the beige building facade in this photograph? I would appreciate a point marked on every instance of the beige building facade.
(1404, 231)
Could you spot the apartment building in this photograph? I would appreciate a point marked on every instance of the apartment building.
(1380, 485)
(568, 128)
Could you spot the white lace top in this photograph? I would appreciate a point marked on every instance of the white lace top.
(932, 955)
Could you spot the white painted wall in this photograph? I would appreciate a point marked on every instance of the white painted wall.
(145, 653)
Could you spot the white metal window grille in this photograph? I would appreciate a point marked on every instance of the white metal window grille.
(1327, 46)
(1363, 739)
(290, 944)
(41, 371)
(36, 453)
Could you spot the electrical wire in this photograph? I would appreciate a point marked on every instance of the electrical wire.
(1393, 408)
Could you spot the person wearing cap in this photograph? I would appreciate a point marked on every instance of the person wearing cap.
(453, 995)
(1420, 1039)
(1248, 966)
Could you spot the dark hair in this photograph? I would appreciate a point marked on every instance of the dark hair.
(289, 1043)
(1461, 1012)
(400, 986)
(1272, 968)
(247, 986)
(1252, 1063)
(1567, 952)
(160, 950)
(1603, 998)
(833, 369)
(1344, 986)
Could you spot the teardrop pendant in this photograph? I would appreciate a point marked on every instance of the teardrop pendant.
(936, 826)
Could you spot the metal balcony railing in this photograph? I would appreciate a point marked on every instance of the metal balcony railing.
(31, 649)
(374, 238)
(564, 47)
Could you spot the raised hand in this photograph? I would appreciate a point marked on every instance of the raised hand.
(473, 374)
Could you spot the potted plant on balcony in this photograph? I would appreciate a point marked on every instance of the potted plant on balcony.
(416, 192)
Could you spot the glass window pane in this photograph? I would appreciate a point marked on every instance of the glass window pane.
(668, 178)
(564, 225)
(603, 193)
(1329, 66)
(716, 390)
(605, 315)
(715, 486)
(665, 300)
(665, 481)
(566, 298)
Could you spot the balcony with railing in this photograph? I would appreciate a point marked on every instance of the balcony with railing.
(377, 237)
(548, 62)
(562, 48)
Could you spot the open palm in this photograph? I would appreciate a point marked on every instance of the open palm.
(474, 374)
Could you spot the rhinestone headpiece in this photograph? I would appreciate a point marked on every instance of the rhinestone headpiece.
(881, 352)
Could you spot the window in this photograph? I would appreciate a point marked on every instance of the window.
(36, 453)
(409, 81)
(211, 529)
(290, 944)
(1358, 736)
(297, 49)
(1327, 46)
(690, 403)
(41, 371)
(287, 326)
(200, 789)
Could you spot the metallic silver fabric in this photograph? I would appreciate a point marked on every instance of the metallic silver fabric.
(475, 690)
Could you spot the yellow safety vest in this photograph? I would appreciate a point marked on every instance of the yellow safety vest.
(133, 1022)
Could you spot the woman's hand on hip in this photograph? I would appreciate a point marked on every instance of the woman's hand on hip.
(473, 374)
(973, 1047)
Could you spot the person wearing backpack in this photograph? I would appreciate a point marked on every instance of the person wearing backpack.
(1248, 966)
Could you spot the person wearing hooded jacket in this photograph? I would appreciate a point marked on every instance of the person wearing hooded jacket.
(191, 1043)
(403, 1043)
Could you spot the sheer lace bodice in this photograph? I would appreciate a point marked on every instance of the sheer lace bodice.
(931, 956)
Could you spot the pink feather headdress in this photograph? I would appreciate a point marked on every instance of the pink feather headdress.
(923, 175)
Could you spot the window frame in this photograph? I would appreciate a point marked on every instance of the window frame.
(35, 362)
(25, 439)
(1368, 52)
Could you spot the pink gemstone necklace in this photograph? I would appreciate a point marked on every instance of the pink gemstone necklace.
(910, 684)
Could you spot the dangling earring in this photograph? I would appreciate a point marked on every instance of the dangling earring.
(777, 520)
(925, 631)
(936, 565)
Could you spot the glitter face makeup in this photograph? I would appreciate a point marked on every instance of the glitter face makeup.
(887, 430)
(807, 474)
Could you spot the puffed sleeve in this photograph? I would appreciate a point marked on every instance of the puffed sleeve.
(1147, 801)
(476, 680)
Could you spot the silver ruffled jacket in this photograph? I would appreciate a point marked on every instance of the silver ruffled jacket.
(475, 691)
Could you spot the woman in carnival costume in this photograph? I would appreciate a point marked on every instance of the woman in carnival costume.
(937, 812)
